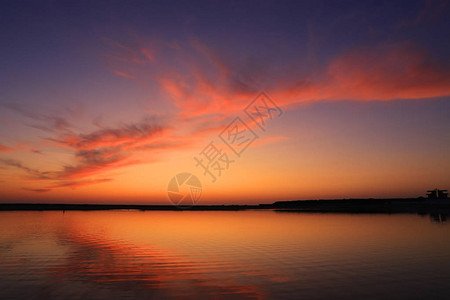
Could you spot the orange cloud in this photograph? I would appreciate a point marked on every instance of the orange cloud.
(135, 54)
(121, 55)
(110, 148)
(37, 190)
(95, 153)
(105, 149)
(5, 149)
(125, 135)
(385, 72)
(123, 74)
(267, 140)
(381, 73)
(74, 184)
(148, 54)
(200, 81)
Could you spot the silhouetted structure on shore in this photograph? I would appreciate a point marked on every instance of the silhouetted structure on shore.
(437, 194)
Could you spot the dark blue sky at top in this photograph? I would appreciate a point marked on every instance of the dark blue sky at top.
(38, 30)
(56, 43)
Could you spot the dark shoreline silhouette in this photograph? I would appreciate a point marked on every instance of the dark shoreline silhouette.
(402, 205)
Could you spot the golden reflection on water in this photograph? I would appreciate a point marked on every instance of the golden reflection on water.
(244, 254)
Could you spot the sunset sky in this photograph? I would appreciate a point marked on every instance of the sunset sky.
(105, 101)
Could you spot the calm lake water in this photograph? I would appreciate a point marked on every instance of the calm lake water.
(207, 254)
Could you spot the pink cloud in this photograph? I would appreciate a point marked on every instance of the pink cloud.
(5, 149)
(384, 72)
(122, 74)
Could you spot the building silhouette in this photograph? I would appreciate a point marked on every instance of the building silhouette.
(437, 194)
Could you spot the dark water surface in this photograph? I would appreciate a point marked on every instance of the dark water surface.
(222, 254)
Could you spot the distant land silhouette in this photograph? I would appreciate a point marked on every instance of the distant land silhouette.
(436, 202)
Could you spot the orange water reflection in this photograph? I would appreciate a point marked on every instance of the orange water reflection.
(246, 254)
